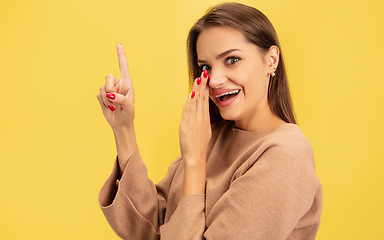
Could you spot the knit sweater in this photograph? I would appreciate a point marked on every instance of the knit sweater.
(259, 186)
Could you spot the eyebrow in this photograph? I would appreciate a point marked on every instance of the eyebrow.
(221, 54)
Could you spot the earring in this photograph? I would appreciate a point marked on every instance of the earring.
(273, 74)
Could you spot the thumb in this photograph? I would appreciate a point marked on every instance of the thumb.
(124, 87)
(131, 96)
(123, 101)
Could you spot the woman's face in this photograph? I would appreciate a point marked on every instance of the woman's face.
(239, 73)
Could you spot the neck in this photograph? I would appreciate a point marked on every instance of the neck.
(263, 121)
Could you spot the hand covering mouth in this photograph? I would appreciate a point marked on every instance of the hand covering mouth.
(227, 95)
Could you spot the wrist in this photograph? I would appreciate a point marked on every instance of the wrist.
(123, 129)
(194, 179)
(126, 144)
(195, 163)
(125, 137)
(195, 160)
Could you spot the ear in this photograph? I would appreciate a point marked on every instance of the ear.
(272, 58)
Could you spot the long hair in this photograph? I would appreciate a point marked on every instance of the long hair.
(258, 30)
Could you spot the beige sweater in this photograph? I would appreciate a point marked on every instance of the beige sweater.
(258, 187)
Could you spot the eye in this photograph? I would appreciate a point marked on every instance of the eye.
(205, 67)
(231, 60)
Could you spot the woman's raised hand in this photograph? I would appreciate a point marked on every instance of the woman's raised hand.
(116, 97)
(194, 135)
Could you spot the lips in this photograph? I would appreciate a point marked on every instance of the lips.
(225, 97)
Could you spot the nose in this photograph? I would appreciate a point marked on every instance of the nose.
(216, 79)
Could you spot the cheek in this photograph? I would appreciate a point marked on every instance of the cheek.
(250, 78)
(255, 84)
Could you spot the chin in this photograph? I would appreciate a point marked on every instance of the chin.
(229, 115)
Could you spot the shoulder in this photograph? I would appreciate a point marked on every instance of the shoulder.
(285, 147)
(288, 156)
(285, 153)
(289, 143)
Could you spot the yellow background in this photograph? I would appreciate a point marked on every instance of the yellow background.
(56, 149)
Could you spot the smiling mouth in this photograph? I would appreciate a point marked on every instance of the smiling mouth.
(227, 96)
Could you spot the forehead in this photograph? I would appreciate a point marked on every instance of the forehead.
(216, 40)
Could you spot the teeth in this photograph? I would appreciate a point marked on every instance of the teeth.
(227, 93)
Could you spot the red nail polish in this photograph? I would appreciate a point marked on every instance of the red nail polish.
(205, 74)
(193, 94)
(111, 107)
(198, 81)
(111, 96)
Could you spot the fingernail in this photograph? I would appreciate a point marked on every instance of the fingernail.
(205, 74)
(111, 107)
(111, 96)
(198, 81)
(193, 94)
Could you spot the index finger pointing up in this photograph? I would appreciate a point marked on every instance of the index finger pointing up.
(122, 61)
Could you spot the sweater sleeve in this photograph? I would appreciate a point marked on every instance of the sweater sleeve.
(134, 206)
(278, 196)
(188, 221)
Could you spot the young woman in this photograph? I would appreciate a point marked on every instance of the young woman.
(245, 171)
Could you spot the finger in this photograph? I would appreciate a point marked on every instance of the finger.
(205, 92)
(100, 100)
(123, 64)
(197, 85)
(102, 105)
(196, 93)
(120, 100)
(122, 103)
(110, 83)
(103, 97)
(205, 75)
(206, 81)
(104, 108)
(189, 107)
(200, 85)
(202, 94)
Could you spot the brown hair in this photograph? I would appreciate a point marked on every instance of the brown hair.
(258, 30)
